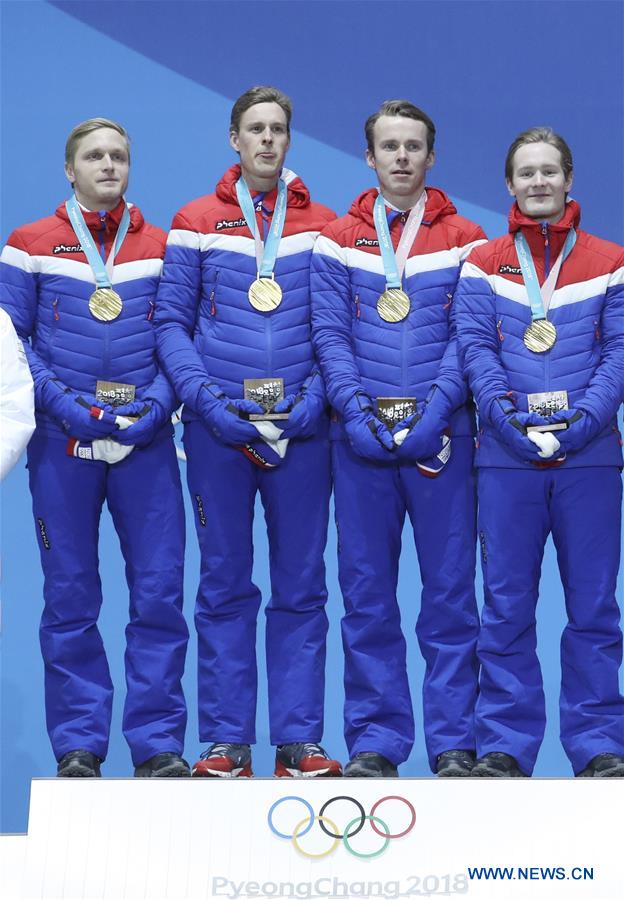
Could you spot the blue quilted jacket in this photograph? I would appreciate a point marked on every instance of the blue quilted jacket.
(357, 349)
(206, 328)
(587, 308)
(45, 285)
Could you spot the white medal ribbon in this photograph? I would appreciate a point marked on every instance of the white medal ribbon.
(266, 251)
(102, 271)
(410, 232)
(529, 275)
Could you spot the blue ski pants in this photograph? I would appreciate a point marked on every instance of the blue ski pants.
(371, 502)
(144, 497)
(518, 508)
(223, 484)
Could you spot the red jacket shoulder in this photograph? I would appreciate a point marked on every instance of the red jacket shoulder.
(465, 230)
(35, 237)
(611, 255)
(488, 256)
(193, 216)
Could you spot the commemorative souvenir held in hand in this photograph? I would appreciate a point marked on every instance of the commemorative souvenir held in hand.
(105, 303)
(265, 294)
(394, 304)
(547, 403)
(541, 335)
(266, 392)
(392, 410)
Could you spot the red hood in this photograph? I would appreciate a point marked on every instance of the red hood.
(557, 231)
(438, 204)
(298, 194)
(113, 218)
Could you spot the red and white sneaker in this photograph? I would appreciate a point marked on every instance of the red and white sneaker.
(224, 761)
(304, 761)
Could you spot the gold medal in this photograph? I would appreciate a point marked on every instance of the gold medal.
(105, 304)
(540, 336)
(393, 305)
(265, 294)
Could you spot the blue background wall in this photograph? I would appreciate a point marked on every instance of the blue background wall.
(169, 72)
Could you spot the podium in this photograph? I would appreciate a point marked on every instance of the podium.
(194, 839)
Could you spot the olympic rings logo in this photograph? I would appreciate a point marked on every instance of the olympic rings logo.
(329, 827)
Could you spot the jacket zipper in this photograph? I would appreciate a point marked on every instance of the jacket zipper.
(546, 236)
(268, 330)
(404, 356)
(357, 307)
(213, 292)
(106, 353)
(55, 319)
(101, 234)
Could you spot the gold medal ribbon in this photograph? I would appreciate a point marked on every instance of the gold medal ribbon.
(105, 303)
(393, 304)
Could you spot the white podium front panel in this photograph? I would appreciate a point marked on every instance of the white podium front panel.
(150, 839)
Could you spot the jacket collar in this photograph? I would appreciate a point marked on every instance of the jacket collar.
(298, 194)
(112, 219)
(438, 204)
(538, 233)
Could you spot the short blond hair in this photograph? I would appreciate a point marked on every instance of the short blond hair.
(85, 128)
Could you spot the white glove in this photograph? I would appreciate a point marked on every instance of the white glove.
(271, 435)
(400, 436)
(109, 451)
(546, 441)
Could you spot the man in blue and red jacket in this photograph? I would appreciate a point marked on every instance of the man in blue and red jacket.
(80, 287)
(383, 279)
(540, 322)
(234, 304)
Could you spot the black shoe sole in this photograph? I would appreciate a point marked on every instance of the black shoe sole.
(613, 772)
(483, 772)
(371, 775)
(78, 772)
(167, 772)
(454, 772)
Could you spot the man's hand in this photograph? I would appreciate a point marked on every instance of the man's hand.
(79, 415)
(582, 428)
(425, 428)
(512, 425)
(368, 436)
(227, 419)
(150, 419)
(304, 411)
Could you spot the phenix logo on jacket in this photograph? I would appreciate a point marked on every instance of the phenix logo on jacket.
(211, 253)
(358, 350)
(45, 285)
(587, 309)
